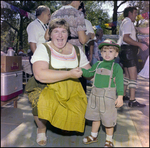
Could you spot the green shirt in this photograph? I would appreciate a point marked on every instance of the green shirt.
(102, 81)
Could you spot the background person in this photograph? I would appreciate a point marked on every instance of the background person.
(145, 71)
(89, 45)
(128, 54)
(143, 54)
(103, 103)
(36, 29)
(99, 39)
(63, 101)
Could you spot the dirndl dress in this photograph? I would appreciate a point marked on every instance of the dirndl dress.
(63, 104)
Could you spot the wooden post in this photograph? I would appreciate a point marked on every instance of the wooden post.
(13, 99)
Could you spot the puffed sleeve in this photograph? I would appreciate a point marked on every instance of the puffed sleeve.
(40, 54)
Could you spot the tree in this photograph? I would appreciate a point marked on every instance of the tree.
(96, 15)
(115, 16)
(13, 23)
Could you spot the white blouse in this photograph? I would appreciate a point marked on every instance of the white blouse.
(59, 60)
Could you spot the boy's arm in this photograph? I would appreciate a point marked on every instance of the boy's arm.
(119, 85)
(119, 80)
(89, 72)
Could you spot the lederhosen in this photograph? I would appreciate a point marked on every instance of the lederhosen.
(128, 55)
(101, 103)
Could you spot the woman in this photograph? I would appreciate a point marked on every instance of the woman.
(63, 101)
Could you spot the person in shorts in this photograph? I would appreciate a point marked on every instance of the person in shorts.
(128, 55)
(103, 103)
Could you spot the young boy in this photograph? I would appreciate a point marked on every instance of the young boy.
(102, 103)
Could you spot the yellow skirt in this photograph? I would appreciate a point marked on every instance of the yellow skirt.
(63, 104)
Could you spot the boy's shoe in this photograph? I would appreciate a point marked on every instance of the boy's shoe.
(108, 144)
(125, 98)
(89, 139)
(134, 103)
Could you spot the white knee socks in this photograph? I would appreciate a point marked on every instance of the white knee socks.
(109, 137)
(94, 134)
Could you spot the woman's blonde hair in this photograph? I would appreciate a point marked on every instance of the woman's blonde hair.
(58, 23)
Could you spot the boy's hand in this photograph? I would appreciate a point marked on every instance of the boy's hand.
(119, 101)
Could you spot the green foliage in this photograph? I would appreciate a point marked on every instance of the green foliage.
(96, 15)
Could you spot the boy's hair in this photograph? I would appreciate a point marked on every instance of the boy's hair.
(127, 10)
(114, 47)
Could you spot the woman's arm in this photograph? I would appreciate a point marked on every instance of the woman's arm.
(32, 46)
(45, 75)
(130, 41)
(144, 30)
(83, 38)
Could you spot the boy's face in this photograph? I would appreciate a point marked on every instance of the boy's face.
(108, 53)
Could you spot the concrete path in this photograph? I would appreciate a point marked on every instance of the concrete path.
(132, 130)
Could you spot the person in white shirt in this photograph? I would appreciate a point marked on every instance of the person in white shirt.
(36, 29)
(128, 54)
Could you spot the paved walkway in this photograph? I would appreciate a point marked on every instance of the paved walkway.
(132, 130)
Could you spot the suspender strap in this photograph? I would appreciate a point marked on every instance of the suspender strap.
(49, 53)
(111, 75)
(78, 54)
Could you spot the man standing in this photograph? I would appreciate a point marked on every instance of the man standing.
(128, 55)
(36, 29)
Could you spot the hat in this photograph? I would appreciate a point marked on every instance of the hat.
(108, 42)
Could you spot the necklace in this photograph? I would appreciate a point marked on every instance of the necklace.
(60, 51)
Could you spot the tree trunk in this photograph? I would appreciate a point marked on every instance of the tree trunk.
(114, 26)
(20, 32)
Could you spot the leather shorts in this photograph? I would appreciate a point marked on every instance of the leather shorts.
(128, 55)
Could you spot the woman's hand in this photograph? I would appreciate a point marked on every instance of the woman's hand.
(75, 73)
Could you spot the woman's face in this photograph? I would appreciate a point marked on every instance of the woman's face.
(59, 37)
